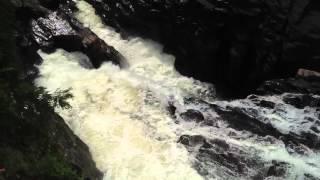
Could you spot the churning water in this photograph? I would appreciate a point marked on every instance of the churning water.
(122, 115)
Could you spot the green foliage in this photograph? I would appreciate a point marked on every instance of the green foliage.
(60, 97)
(25, 115)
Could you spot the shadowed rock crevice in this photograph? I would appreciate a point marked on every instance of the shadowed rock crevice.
(235, 45)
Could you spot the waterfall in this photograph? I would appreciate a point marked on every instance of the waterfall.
(122, 115)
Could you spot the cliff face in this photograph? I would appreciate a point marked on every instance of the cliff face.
(35, 143)
(235, 45)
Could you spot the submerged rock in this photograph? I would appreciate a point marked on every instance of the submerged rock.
(302, 101)
(267, 104)
(192, 115)
(258, 137)
(228, 159)
(277, 169)
(289, 123)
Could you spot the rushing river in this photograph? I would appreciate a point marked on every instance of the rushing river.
(123, 117)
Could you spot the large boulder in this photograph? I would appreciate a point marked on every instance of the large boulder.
(47, 25)
(59, 29)
(234, 44)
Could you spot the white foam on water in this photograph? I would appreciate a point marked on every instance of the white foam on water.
(127, 130)
(120, 114)
(261, 149)
(145, 58)
(284, 117)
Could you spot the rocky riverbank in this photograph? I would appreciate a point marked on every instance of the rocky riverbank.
(35, 143)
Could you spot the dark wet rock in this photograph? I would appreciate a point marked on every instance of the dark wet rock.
(192, 140)
(315, 128)
(252, 97)
(171, 109)
(291, 85)
(37, 6)
(220, 143)
(309, 119)
(310, 177)
(235, 45)
(232, 161)
(301, 101)
(229, 160)
(210, 122)
(246, 119)
(30, 8)
(293, 147)
(242, 121)
(33, 150)
(45, 30)
(302, 94)
(278, 169)
(39, 27)
(35, 143)
(220, 155)
(267, 104)
(309, 138)
(246, 115)
(74, 150)
(50, 4)
(98, 51)
(26, 55)
(192, 115)
(57, 30)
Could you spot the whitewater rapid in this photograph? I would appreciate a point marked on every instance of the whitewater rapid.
(122, 115)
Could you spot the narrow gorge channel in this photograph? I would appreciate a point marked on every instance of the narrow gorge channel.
(145, 121)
